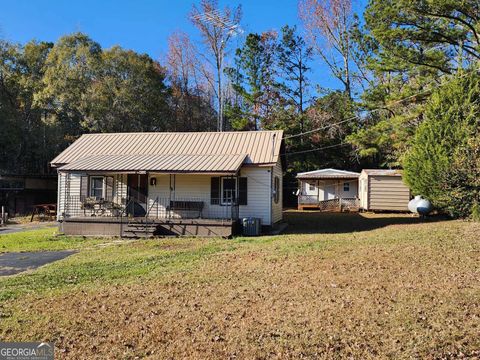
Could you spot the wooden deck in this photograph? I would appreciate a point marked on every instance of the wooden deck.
(153, 227)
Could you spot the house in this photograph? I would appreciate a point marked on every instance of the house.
(19, 193)
(383, 190)
(328, 190)
(143, 184)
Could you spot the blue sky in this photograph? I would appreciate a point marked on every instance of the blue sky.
(142, 25)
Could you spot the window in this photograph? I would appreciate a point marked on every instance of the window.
(224, 189)
(229, 190)
(311, 186)
(96, 187)
(346, 186)
(276, 189)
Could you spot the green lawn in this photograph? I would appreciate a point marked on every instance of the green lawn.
(42, 240)
(378, 286)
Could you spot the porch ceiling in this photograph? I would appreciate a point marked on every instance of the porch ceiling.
(159, 163)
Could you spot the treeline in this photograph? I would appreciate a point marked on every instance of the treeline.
(52, 93)
(407, 70)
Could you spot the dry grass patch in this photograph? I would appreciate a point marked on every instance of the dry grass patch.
(395, 291)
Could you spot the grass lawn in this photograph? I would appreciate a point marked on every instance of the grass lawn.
(43, 239)
(335, 286)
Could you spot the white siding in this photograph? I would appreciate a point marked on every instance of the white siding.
(120, 188)
(197, 187)
(60, 195)
(194, 187)
(68, 186)
(334, 188)
(277, 208)
(259, 194)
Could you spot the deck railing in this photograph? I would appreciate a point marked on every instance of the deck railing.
(337, 204)
(161, 206)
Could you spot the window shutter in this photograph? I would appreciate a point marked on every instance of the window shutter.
(109, 188)
(215, 191)
(242, 191)
(83, 187)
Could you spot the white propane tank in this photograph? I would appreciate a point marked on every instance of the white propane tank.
(412, 205)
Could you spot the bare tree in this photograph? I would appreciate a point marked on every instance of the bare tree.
(190, 81)
(328, 24)
(217, 27)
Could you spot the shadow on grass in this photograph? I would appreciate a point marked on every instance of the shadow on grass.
(311, 222)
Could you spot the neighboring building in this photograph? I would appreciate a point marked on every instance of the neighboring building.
(169, 183)
(383, 190)
(328, 190)
(19, 193)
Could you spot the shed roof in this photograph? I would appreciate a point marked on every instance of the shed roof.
(160, 163)
(256, 147)
(328, 174)
(383, 172)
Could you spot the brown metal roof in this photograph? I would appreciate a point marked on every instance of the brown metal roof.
(260, 147)
(383, 172)
(328, 174)
(159, 163)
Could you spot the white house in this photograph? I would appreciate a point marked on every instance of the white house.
(328, 189)
(169, 183)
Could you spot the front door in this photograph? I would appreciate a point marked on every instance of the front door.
(329, 192)
(138, 188)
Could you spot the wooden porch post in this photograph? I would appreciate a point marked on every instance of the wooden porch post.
(300, 189)
(318, 191)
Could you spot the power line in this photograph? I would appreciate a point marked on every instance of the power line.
(316, 149)
(374, 110)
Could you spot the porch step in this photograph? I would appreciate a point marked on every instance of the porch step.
(137, 230)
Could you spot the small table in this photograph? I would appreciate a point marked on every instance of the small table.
(49, 210)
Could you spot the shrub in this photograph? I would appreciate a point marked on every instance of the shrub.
(443, 163)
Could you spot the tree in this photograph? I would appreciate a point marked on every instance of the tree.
(128, 94)
(190, 82)
(25, 141)
(439, 36)
(217, 27)
(72, 66)
(410, 46)
(254, 79)
(294, 57)
(329, 26)
(442, 164)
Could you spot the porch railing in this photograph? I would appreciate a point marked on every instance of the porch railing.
(163, 206)
(337, 204)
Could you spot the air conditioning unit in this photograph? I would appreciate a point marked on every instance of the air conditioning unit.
(251, 226)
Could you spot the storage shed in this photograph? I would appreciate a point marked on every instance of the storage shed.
(383, 190)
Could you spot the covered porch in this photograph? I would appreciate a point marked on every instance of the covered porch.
(328, 190)
(181, 200)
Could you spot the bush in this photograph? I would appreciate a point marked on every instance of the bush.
(443, 163)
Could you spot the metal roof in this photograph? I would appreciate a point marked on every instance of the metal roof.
(159, 163)
(260, 147)
(383, 172)
(328, 174)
